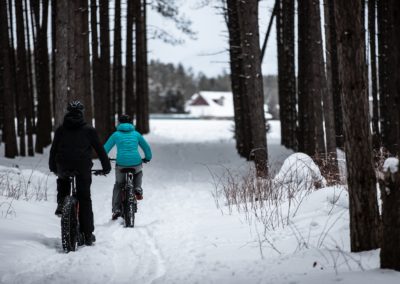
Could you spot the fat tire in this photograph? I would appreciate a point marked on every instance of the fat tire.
(69, 234)
(130, 209)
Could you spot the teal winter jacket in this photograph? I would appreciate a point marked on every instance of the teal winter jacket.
(127, 141)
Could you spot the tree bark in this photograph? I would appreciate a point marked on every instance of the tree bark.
(117, 66)
(22, 86)
(104, 127)
(390, 194)
(129, 73)
(44, 125)
(327, 98)
(97, 101)
(29, 94)
(374, 80)
(142, 106)
(251, 54)
(237, 82)
(388, 69)
(63, 64)
(286, 71)
(11, 149)
(310, 78)
(364, 216)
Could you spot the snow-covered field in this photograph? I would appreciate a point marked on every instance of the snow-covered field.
(180, 235)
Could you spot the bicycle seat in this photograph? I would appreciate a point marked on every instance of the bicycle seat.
(128, 170)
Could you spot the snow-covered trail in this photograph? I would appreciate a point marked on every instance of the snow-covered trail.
(180, 236)
(173, 240)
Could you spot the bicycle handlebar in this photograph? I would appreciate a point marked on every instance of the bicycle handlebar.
(98, 173)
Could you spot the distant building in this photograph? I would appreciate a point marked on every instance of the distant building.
(210, 104)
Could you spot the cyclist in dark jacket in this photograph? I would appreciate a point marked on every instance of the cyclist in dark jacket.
(72, 151)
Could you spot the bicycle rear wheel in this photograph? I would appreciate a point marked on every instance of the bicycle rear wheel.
(130, 209)
(69, 231)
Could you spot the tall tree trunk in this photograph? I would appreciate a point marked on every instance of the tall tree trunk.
(390, 245)
(80, 56)
(387, 78)
(242, 132)
(22, 78)
(43, 133)
(11, 149)
(283, 115)
(364, 216)
(96, 80)
(129, 73)
(251, 54)
(117, 70)
(328, 105)
(63, 84)
(332, 71)
(374, 79)
(29, 94)
(104, 128)
(142, 106)
(286, 71)
(311, 78)
(53, 54)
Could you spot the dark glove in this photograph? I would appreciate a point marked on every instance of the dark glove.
(106, 171)
(145, 161)
(99, 173)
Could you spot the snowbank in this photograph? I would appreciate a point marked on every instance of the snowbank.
(300, 169)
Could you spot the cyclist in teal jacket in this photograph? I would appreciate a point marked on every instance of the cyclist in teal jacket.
(127, 141)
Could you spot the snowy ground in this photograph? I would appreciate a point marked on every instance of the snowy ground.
(180, 235)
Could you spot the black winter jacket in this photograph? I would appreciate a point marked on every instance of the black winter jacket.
(72, 146)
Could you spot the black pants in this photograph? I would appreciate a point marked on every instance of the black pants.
(83, 182)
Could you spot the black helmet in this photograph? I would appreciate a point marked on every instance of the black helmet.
(75, 106)
(124, 118)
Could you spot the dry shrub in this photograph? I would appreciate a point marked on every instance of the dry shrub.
(16, 184)
(328, 165)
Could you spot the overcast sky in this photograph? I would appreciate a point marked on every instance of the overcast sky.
(207, 54)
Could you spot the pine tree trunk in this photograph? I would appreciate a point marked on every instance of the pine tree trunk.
(95, 64)
(283, 114)
(364, 216)
(374, 79)
(11, 149)
(44, 127)
(87, 95)
(80, 55)
(328, 105)
(332, 71)
(311, 77)
(53, 54)
(240, 113)
(22, 86)
(390, 195)
(129, 73)
(251, 54)
(388, 69)
(117, 70)
(29, 95)
(286, 71)
(104, 128)
(63, 86)
(142, 107)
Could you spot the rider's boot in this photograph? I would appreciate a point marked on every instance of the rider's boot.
(58, 211)
(89, 239)
(116, 214)
(139, 193)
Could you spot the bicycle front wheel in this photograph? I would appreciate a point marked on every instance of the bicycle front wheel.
(69, 231)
